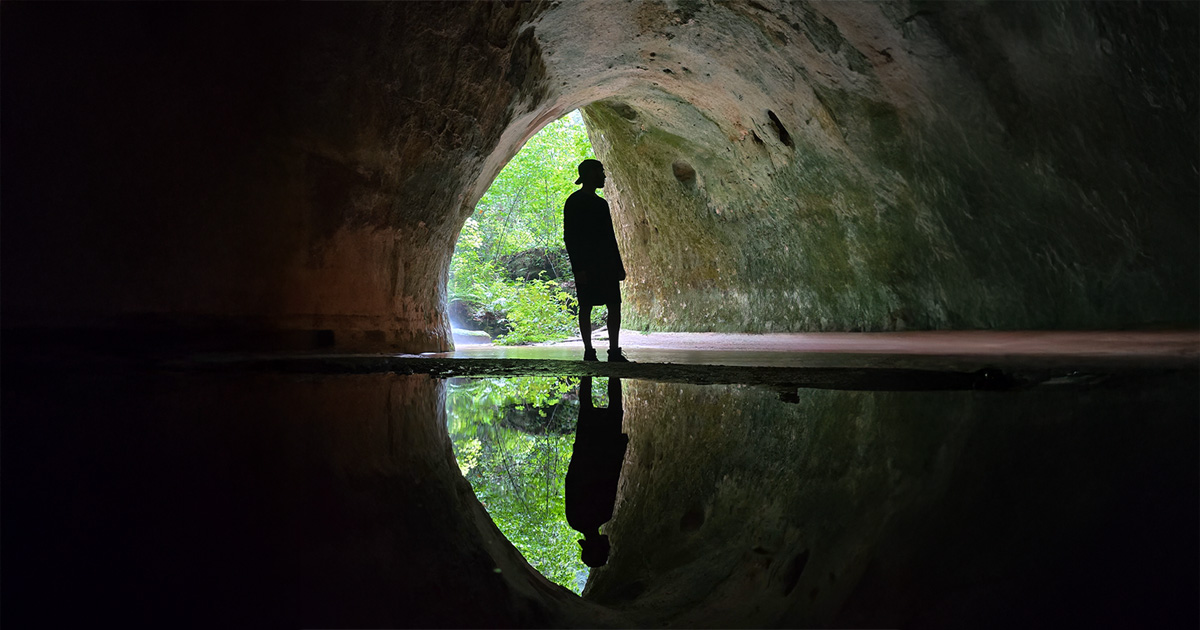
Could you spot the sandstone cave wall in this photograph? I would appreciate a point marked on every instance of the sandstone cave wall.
(852, 166)
(776, 166)
(250, 167)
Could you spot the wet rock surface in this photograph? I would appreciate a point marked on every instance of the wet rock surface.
(782, 379)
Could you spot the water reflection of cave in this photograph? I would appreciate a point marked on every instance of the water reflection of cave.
(731, 491)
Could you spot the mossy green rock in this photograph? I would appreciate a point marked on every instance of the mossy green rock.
(982, 166)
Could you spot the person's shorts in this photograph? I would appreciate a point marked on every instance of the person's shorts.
(599, 293)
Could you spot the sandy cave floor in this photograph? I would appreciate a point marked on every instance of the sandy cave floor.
(860, 361)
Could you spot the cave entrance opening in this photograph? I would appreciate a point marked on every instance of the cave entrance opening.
(510, 280)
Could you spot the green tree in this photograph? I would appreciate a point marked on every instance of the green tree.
(522, 210)
(523, 207)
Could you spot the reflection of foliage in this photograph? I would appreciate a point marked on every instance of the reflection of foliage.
(521, 211)
(513, 439)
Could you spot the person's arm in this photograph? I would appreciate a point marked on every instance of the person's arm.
(609, 235)
(574, 239)
(570, 229)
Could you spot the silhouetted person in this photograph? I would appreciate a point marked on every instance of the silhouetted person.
(595, 259)
(591, 485)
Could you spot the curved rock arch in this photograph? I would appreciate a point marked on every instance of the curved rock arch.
(854, 167)
(875, 167)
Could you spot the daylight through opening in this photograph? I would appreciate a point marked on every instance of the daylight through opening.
(510, 278)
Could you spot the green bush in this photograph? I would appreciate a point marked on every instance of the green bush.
(539, 310)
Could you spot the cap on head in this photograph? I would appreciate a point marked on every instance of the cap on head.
(594, 552)
(588, 166)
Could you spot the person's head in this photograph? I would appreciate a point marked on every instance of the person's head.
(591, 174)
(595, 551)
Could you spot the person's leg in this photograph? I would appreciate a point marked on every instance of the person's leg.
(614, 325)
(614, 394)
(614, 333)
(585, 331)
(585, 392)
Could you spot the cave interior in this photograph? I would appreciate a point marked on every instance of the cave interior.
(190, 184)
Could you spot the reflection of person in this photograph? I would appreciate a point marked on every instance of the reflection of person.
(591, 485)
(595, 259)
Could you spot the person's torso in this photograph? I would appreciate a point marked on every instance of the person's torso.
(589, 211)
(597, 246)
(595, 468)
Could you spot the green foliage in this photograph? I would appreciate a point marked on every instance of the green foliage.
(539, 310)
(513, 439)
(535, 310)
(468, 272)
(523, 207)
(521, 210)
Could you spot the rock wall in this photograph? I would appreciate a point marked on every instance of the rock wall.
(850, 166)
(775, 165)
(250, 168)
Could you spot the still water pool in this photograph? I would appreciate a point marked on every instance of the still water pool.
(1047, 493)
